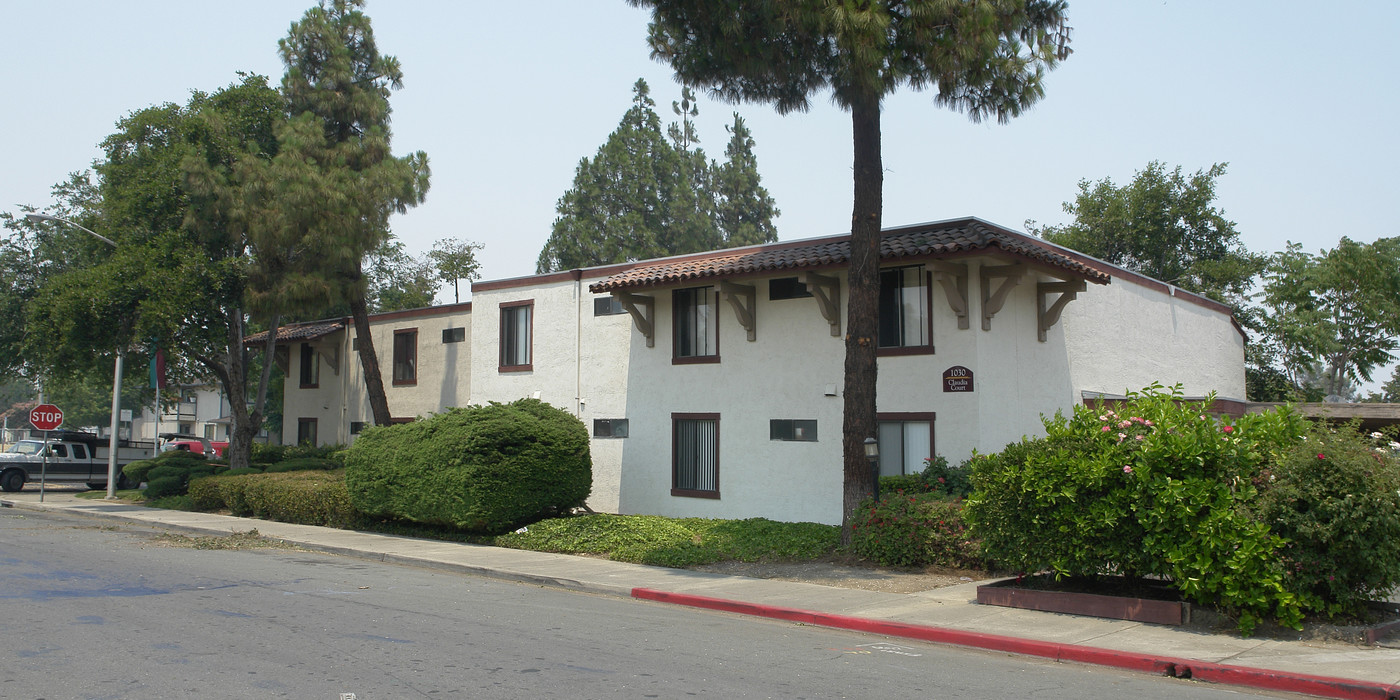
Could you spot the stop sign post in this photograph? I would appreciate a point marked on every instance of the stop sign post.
(46, 417)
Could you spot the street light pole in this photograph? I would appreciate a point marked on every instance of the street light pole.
(116, 375)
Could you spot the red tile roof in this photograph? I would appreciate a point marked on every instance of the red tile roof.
(298, 331)
(935, 240)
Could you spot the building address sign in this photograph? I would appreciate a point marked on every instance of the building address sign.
(957, 378)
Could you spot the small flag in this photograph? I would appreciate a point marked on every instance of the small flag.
(158, 369)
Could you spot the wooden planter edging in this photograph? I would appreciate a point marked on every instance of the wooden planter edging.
(1162, 612)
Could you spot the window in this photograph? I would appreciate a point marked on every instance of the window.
(695, 455)
(310, 367)
(208, 431)
(357, 427)
(607, 306)
(609, 427)
(79, 452)
(696, 325)
(454, 335)
(517, 325)
(60, 451)
(906, 440)
(904, 302)
(792, 430)
(306, 431)
(406, 357)
(787, 288)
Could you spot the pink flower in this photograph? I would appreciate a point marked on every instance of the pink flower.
(1104, 429)
(1127, 469)
(1137, 437)
(1229, 428)
(1321, 456)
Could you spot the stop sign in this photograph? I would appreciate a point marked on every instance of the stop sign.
(46, 416)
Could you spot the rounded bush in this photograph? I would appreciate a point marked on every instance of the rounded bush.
(482, 468)
(303, 464)
(162, 486)
(1335, 499)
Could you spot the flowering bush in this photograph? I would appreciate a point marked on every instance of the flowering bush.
(1154, 487)
(937, 477)
(1336, 500)
(913, 529)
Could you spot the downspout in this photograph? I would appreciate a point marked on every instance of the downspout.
(344, 427)
(578, 342)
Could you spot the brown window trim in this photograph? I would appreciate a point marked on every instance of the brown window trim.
(693, 359)
(929, 416)
(896, 350)
(314, 358)
(501, 366)
(692, 493)
(392, 359)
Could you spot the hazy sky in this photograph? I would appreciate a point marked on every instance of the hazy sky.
(1299, 98)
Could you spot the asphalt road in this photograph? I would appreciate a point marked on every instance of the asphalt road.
(89, 610)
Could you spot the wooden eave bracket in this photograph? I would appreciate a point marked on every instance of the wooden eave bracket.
(642, 309)
(331, 354)
(280, 356)
(1046, 318)
(742, 297)
(827, 291)
(953, 278)
(992, 301)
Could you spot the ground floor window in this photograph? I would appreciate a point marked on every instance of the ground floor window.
(695, 455)
(906, 440)
(306, 431)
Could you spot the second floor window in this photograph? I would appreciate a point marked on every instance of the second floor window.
(904, 319)
(696, 332)
(406, 357)
(516, 329)
(310, 367)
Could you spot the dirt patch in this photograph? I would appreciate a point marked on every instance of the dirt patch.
(850, 573)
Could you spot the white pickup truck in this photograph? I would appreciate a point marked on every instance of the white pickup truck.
(72, 457)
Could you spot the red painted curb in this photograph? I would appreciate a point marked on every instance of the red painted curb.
(1165, 665)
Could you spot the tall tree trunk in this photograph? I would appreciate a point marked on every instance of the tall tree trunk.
(863, 308)
(374, 382)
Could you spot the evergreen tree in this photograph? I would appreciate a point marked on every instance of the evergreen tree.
(986, 57)
(329, 193)
(744, 210)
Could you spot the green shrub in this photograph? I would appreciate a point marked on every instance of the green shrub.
(1335, 498)
(139, 470)
(252, 469)
(205, 495)
(1155, 488)
(483, 468)
(158, 487)
(913, 529)
(937, 477)
(303, 464)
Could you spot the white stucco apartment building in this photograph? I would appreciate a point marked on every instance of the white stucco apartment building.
(712, 382)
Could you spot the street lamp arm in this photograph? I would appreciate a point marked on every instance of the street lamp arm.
(46, 217)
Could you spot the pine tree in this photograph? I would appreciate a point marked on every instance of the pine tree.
(744, 210)
(984, 57)
(334, 183)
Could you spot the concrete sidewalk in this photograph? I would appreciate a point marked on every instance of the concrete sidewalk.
(945, 615)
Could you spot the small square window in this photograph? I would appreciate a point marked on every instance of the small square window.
(454, 335)
(609, 427)
(607, 306)
(357, 427)
(792, 430)
(787, 288)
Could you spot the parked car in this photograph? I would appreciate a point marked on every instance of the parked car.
(192, 443)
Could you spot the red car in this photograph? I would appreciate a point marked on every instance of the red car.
(198, 446)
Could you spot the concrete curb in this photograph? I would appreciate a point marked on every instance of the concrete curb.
(1148, 663)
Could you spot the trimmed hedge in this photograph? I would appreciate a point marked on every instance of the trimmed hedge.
(139, 471)
(482, 468)
(304, 497)
(300, 464)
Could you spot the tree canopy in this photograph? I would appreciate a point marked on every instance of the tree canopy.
(455, 261)
(642, 196)
(1165, 225)
(986, 58)
(1339, 309)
